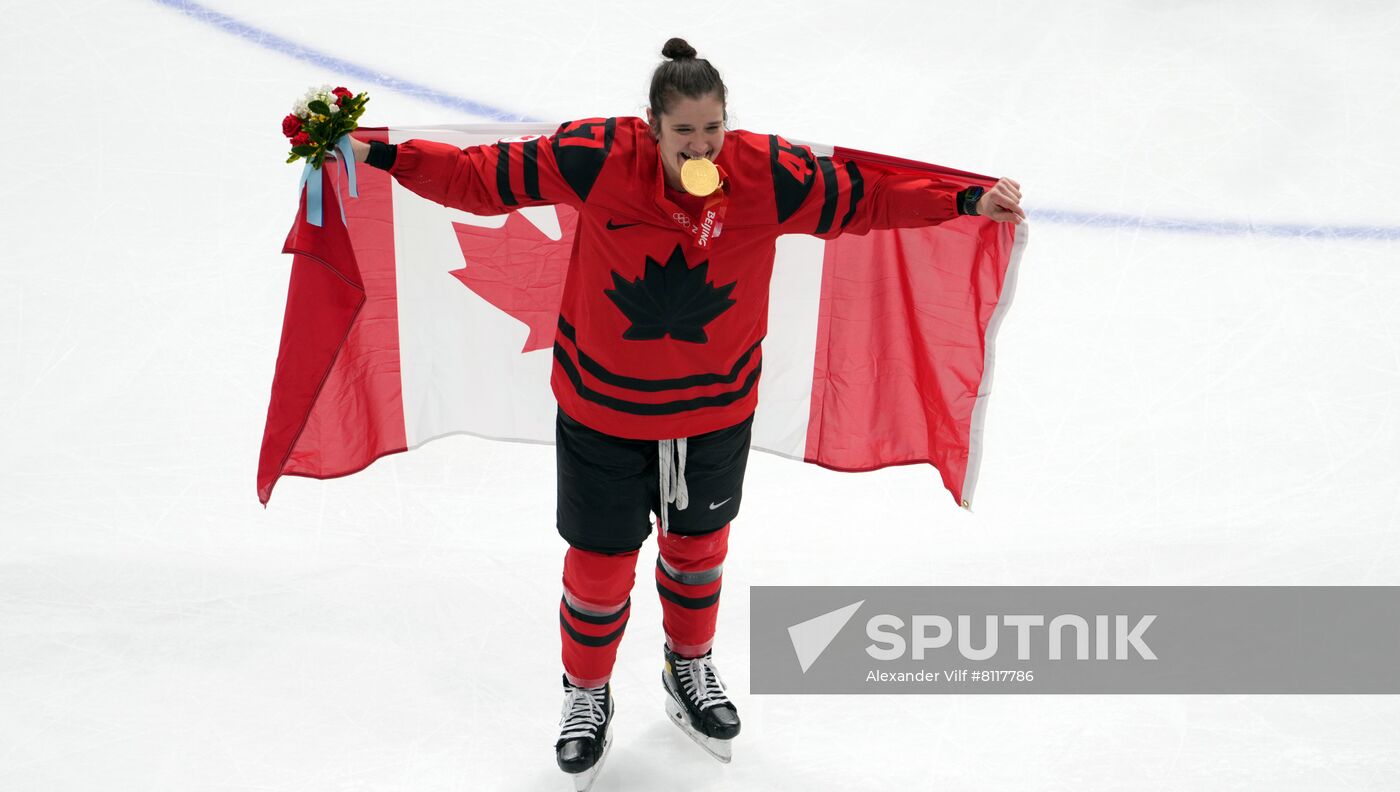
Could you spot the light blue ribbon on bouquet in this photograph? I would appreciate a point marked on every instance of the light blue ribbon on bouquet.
(313, 184)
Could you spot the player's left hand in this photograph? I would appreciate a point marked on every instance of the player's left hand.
(1002, 203)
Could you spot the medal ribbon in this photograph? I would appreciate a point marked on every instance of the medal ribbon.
(705, 228)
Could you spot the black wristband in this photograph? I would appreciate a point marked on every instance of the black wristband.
(381, 155)
(967, 200)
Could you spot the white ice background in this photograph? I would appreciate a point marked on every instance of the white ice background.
(1199, 404)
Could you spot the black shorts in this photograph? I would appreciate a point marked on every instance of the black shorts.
(610, 486)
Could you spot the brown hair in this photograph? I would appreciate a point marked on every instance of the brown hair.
(685, 75)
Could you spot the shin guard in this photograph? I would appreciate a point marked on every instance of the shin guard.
(593, 612)
(688, 571)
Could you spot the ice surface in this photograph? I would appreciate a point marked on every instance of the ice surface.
(1212, 404)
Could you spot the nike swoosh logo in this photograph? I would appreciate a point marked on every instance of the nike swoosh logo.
(614, 226)
(714, 506)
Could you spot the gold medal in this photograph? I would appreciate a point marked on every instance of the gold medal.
(699, 177)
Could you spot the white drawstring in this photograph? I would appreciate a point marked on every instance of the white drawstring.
(672, 478)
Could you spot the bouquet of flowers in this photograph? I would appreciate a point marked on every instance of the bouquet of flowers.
(318, 119)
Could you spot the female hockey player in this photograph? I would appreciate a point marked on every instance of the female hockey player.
(657, 354)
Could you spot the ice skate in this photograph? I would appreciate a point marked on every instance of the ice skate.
(697, 704)
(585, 733)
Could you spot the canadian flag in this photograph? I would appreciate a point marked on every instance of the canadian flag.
(408, 321)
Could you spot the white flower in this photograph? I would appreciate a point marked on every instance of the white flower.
(325, 93)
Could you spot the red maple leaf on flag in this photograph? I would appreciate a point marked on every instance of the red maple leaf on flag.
(520, 270)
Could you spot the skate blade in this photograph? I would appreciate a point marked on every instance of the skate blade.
(722, 750)
(584, 781)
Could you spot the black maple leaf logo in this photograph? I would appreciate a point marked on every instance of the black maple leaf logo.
(673, 300)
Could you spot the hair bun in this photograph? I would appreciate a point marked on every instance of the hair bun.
(677, 49)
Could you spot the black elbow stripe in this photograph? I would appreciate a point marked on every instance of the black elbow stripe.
(530, 151)
(831, 192)
(521, 161)
(857, 191)
(503, 175)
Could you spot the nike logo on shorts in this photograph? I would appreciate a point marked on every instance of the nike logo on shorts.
(714, 506)
(616, 226)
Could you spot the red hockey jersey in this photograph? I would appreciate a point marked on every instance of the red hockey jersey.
(659, 337)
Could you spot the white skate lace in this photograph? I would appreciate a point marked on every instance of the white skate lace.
(583, 713)
(701, 682)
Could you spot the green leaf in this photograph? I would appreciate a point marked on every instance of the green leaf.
(293, 158)
(303, 151)
(318, 106)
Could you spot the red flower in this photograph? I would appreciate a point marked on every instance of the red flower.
(291, 125)
(342, 94)
(301, 139)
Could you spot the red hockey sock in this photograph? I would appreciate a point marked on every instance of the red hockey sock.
(593, 612)
(688, 571)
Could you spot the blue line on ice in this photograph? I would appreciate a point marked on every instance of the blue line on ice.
(276, 43)
(1212, 227)
(292, 49)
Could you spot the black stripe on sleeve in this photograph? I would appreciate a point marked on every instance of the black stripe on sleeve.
(503, 174)
(857, 191)
(531, 150)
(830, 196)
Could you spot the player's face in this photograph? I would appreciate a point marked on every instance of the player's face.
(693, 128)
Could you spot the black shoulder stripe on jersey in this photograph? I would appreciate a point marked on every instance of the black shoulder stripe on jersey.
(831, 191)
(642, 408)
(789, 189)
(531, 152)
(580, 149)
(503, 174)
(654, 385)
(857, 191)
